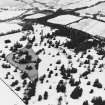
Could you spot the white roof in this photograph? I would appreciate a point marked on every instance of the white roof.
(35, 16)
(64, 19)
(90, 26)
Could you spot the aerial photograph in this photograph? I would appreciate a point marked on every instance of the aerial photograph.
(52, 52)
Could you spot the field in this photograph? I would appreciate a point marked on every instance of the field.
(9, 14)
(7, 28)
(54, 58)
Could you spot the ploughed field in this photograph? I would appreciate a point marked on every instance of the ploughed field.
(65, 74)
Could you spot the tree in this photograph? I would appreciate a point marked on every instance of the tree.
(22, 57)
(7, 41)
(76, 93)
(6, 65)
(28, 67)
(24, 75)
(98, 101)
(15, 83)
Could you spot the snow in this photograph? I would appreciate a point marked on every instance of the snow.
(9, 14)
(90, 26)
(101, 18)
(35, 16)
(77, 3)
(48, 59)
(8, 97)
(13, 37)
(6, 27)
(64, 19)
(98, 9)
(50, 56)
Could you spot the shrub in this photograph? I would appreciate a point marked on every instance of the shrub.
(7, 41)
(23, 38)
(3, 56)
(27, 59)
(22, 57)
(27, 26)
(24, 82)
(15, 47)
(98, 101)
(30, 91)
(28, 67)
(31, 40)
(18, 88)
(18, 45)
(61, 87)
(76, 93)
(29, 45)
(6, 65)
(15, 83)
(85, 103)
(24, 75)
(97, 84)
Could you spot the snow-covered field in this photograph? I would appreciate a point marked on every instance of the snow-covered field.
(51, 69)
(35, 16)
(90, 26)
(64, 19)
(78, 3)
(9, 27)
(8, 97)
(10, 75)
(98, 9)
(60, 71)
(10, 14)
(66, 75)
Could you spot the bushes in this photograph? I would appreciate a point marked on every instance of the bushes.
(16, 46)
(97, 84)
(31, 40)
(22, 57)
(85, 103)
(27, 26)
(27, 59)
(24, 83)
(30, 91)
(15, 83)
(29, 45)
(23, 38)
(98, 101)
(24, 75)
(3, 56)
(7, 41)
(61, 87)
(5, 66)
(76, 93)
(28, 67)
(18, 88)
